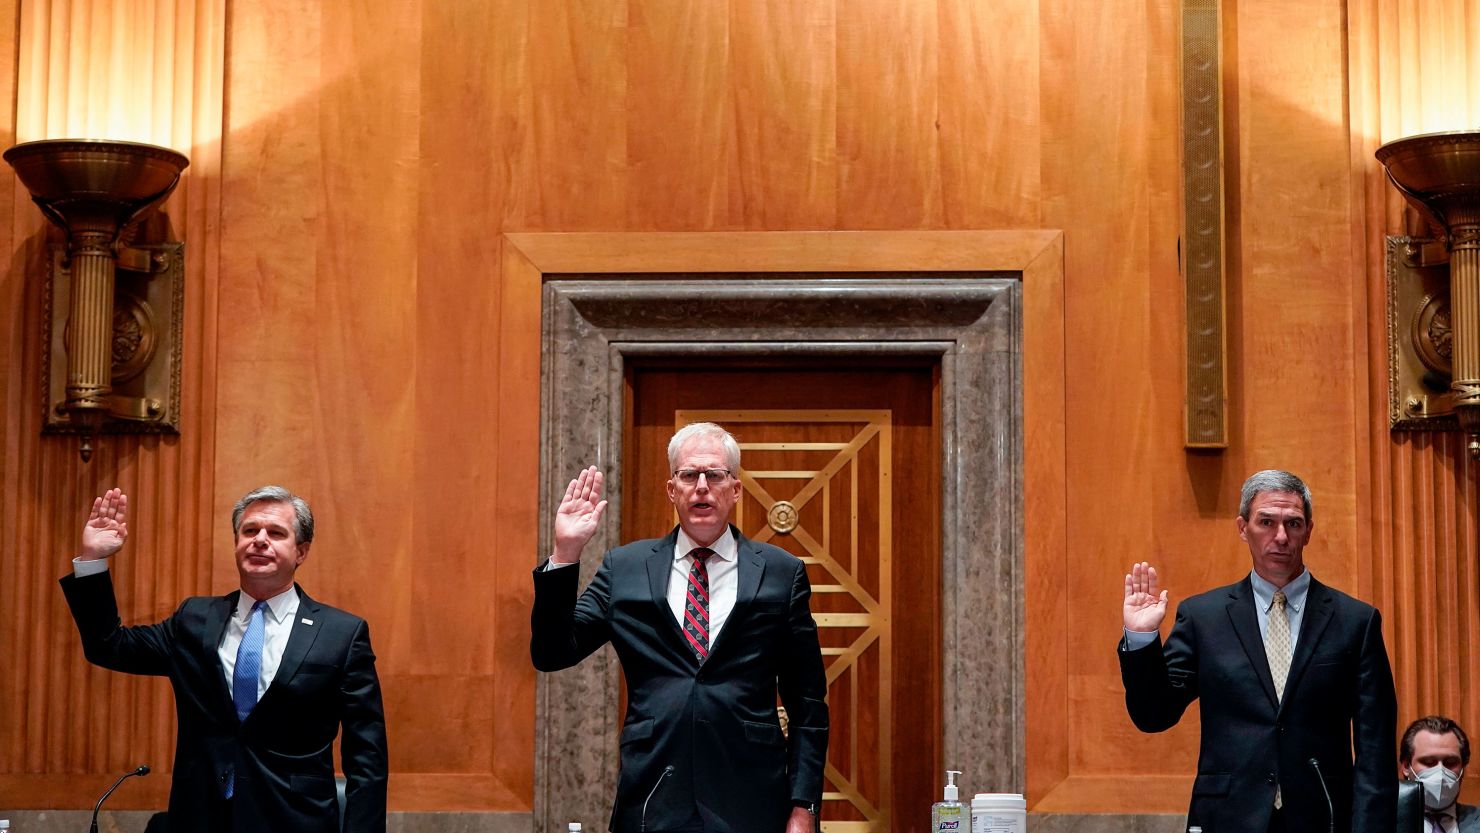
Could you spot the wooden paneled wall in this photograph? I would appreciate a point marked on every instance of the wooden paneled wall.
(351, 335)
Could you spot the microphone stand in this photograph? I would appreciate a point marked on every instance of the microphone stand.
(667, 771)
(1330, 808)
(143, 769)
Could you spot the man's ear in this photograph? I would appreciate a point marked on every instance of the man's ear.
(1242, 525)
(302, 553)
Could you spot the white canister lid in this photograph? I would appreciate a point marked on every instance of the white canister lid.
(999, 801)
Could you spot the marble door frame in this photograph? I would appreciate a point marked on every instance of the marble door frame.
(953, 297)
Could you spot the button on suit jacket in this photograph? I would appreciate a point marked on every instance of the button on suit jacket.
(281, 756)
(714, 723)
(1339, 701)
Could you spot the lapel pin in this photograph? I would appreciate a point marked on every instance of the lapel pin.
(305, 620)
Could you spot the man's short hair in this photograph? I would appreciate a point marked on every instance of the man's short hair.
(704, 431)
(302, 515)
(1438, 725)
(1272, 480)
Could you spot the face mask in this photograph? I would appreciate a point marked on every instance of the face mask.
(1440, 786)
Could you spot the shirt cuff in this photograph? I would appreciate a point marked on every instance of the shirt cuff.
(1139, 639)
(89, 566)
(552, 564)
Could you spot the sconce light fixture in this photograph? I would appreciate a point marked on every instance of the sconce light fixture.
(112, 345)
(1434, 311)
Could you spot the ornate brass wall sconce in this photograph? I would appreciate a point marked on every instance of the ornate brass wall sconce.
(1434, 312)
(112, 346)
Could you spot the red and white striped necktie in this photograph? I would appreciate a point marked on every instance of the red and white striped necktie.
(696, 604)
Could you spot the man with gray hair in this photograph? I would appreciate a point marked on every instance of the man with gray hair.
(710, 628)
(1297, 694)
(264, 677)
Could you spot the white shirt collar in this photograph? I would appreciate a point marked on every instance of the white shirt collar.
(1295, 591)
(279, 607)
(726, 548)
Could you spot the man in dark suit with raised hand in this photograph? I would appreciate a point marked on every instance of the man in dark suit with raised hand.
(710, 628)
(264, 677)
(1289, 672)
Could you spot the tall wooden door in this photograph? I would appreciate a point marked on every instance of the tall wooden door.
(840, 467)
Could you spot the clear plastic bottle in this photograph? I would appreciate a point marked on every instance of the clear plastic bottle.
(575, 827)
(948, 815)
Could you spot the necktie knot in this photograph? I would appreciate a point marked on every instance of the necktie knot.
(700, 553)
(1279, 600)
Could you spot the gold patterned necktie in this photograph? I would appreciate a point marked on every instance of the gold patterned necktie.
(1277, 649)
(1277, 643)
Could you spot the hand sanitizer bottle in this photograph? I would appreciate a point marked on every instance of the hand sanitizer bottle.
(947, 815)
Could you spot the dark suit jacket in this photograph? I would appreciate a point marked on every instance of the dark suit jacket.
(1467, 817)
(715, 724)
(1339, 699)
(282, 754)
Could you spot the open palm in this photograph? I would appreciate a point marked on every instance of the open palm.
(107, 525)
(579, 515)
(1145, 602)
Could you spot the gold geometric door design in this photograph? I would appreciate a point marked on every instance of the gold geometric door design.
(817, 483)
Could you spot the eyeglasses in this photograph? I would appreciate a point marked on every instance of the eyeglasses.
(689, 477)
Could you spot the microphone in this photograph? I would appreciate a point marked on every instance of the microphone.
(1330, 808)
(667, 771)
(143, 769)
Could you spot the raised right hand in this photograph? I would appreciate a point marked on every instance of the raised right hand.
(1145, 603)
(106, 528)
(579, 516)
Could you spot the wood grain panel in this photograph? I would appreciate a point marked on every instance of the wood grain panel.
(990, 93)
(889, 163)
(681, 127)
(579, 67)
(785, 101)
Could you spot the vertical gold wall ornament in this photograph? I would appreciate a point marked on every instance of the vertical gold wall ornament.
(97, 193)
(1202, 240)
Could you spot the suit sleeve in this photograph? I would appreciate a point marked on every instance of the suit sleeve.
(1161, 682)
(144, 649)
(802, 684)
(563, 629)
(363, 749)
(1374, 790)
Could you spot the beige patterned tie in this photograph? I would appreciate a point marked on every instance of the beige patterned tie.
(1277, 649)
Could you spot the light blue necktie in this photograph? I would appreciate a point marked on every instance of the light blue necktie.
(249, 663)
(248, 670)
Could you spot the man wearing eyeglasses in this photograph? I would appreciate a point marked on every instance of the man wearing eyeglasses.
(710, 628)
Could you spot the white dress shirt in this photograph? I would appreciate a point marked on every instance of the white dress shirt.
(724, 579)
(277, 621)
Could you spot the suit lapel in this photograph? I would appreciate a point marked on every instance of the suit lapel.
(1319, 604)
(659, 570)
(217, 618)
(750, 567)
(1245, 621)
(306, 628)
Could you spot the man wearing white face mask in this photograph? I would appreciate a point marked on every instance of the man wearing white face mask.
(1434, 752)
